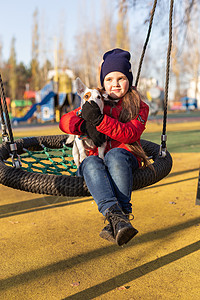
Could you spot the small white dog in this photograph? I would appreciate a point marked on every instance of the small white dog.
(81, 146)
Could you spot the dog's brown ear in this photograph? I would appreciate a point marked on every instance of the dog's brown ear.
(80, 87)
(105, 95)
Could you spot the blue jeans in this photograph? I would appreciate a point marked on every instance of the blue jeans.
(110, 180)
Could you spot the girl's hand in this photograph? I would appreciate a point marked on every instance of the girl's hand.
(97, 137)
(91, 113)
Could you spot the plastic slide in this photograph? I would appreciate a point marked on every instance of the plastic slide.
(33, 109)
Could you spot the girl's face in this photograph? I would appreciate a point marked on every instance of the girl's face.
(116, 84)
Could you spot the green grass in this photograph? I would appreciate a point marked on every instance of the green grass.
(177, 141)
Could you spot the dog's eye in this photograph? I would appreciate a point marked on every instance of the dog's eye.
(98, 97)
(87, 96)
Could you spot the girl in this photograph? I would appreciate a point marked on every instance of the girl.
(123, 121)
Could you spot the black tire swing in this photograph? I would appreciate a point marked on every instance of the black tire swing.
(68, 185)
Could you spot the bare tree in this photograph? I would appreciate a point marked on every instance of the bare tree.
(43, 52)
(194, 42)
(61, 44)
(185, 51)
(107, 27)
(1, 54)
(122, 26)
(93, 41)
(35, 82)
(12, 70)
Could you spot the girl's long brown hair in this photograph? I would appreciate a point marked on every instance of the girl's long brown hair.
(130, 110)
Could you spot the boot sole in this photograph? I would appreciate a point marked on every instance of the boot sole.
(106, 236)
(125, 235)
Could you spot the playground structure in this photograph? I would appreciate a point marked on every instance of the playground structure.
(20, 107)
(58, 96)
(50, 103)
(185, 104)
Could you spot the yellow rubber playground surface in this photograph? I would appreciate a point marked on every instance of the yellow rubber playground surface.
(50, 247)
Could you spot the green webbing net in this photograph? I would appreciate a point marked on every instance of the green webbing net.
(48, 161)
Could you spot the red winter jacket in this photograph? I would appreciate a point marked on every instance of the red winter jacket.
(119, 133)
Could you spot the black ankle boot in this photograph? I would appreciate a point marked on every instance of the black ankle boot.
(107, 232)
(122, 229)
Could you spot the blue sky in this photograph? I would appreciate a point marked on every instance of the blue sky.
(17, 21)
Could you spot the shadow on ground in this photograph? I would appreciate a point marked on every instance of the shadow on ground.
(112, 283)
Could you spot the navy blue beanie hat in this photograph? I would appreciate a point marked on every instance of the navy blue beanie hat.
(116, 60)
